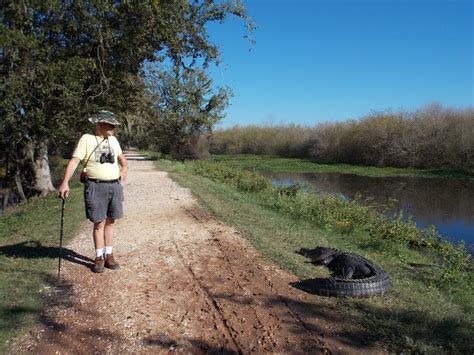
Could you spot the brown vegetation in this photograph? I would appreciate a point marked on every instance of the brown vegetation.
(432, 137)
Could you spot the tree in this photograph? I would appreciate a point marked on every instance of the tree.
(39, 92)
(186, 107)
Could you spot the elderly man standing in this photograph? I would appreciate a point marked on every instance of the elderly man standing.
(102, 177)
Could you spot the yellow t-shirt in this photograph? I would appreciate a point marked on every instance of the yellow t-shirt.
(96, 170)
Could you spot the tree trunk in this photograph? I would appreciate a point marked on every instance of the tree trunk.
(40, 166)
(128, 129)
(4, 196)
(19, 186)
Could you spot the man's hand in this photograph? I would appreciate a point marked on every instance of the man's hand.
(63, 190)
(123, 167)
(123, 174)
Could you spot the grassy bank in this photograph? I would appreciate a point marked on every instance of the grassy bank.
(422, 313)
(29, 249)
(293, 165)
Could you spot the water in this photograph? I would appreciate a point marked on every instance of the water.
(446, 203)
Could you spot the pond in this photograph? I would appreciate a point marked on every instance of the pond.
(446, 203)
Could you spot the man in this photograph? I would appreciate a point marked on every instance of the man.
(103, 191)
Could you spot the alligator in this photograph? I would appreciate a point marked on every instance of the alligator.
(351, 275)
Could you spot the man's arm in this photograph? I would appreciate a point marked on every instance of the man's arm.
(123, 167)
(70, 169)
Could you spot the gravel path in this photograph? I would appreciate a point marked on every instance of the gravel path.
(187, 283)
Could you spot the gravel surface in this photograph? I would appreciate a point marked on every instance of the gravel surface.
(187, 283)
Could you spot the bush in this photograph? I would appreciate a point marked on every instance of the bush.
(243, 180)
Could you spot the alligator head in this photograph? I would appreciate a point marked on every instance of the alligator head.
(319, 255)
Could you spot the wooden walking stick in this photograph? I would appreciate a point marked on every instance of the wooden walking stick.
(61, 235)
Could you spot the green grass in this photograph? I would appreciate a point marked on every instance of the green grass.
(291, 165)
(29, 249)
(420, 313)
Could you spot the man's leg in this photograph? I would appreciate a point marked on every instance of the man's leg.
(109, 238)
(109, 232)
(99, 246)
(99, 234)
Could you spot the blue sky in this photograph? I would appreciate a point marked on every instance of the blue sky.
(318, 61)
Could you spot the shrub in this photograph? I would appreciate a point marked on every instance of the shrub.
(243, 180)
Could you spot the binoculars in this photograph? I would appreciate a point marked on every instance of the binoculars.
(107, 158)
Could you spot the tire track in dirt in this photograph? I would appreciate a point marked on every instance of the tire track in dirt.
(212, 303)
(187, 283)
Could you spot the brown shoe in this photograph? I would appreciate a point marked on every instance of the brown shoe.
(99, 264)
(110, 262)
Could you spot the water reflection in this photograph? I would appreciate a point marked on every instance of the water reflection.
(446, 203)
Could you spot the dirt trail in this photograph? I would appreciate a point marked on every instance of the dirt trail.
(187, 282)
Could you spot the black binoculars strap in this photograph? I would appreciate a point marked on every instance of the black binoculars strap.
(97, 146)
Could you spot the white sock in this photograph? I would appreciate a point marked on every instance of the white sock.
(108, 250)
(99, 252)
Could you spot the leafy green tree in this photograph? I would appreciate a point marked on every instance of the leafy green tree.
(186, 108)
(40, 92)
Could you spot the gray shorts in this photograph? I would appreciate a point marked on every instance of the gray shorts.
(103, 200)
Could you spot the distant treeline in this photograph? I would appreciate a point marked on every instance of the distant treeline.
(433, 137)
